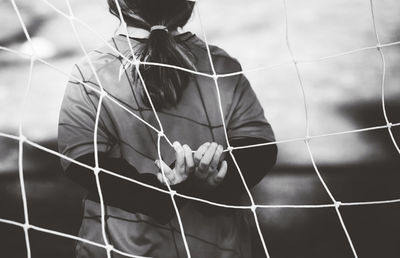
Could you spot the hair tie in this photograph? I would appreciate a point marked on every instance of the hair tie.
(158, 27)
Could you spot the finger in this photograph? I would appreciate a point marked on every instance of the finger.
(216, 158)
(200, 152)
(207, 157)
(222, 171)
(169, 174)
(180, 157)
(160, 178)
(164, 168)
(189, 162)
(219, 177)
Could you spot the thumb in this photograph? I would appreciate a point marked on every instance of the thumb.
(162, 166)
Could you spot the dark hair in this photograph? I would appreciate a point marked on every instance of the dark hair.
(165, 85)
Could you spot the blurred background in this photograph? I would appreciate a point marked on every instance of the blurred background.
(343, 93)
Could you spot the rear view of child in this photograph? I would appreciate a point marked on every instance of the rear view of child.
(139, 220)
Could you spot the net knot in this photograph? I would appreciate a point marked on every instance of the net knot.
(230, 148)
(34, 56)
(253, 208)
(337, 204)
(22, 138)
(26, 226)
(307, 139)
(389, 125)
(215, 77)
(172, 193)
(379, 46)
(161, 134)
(96, 170)
(109, 247)
(103, 93)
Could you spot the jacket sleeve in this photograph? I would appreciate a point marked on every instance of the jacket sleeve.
(123, 194)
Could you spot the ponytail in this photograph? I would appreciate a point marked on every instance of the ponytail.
(164, 85)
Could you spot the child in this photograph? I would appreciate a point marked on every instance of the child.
(139, 220)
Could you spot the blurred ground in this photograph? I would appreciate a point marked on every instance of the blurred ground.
(343, 93)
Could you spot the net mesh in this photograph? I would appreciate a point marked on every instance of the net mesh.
(34, 58)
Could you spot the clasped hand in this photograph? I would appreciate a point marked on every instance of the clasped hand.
(205, 164)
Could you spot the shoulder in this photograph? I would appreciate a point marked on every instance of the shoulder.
(222, 61)
(95, 61)
(82, 81)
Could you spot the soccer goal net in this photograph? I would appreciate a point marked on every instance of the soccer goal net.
(34, 57)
